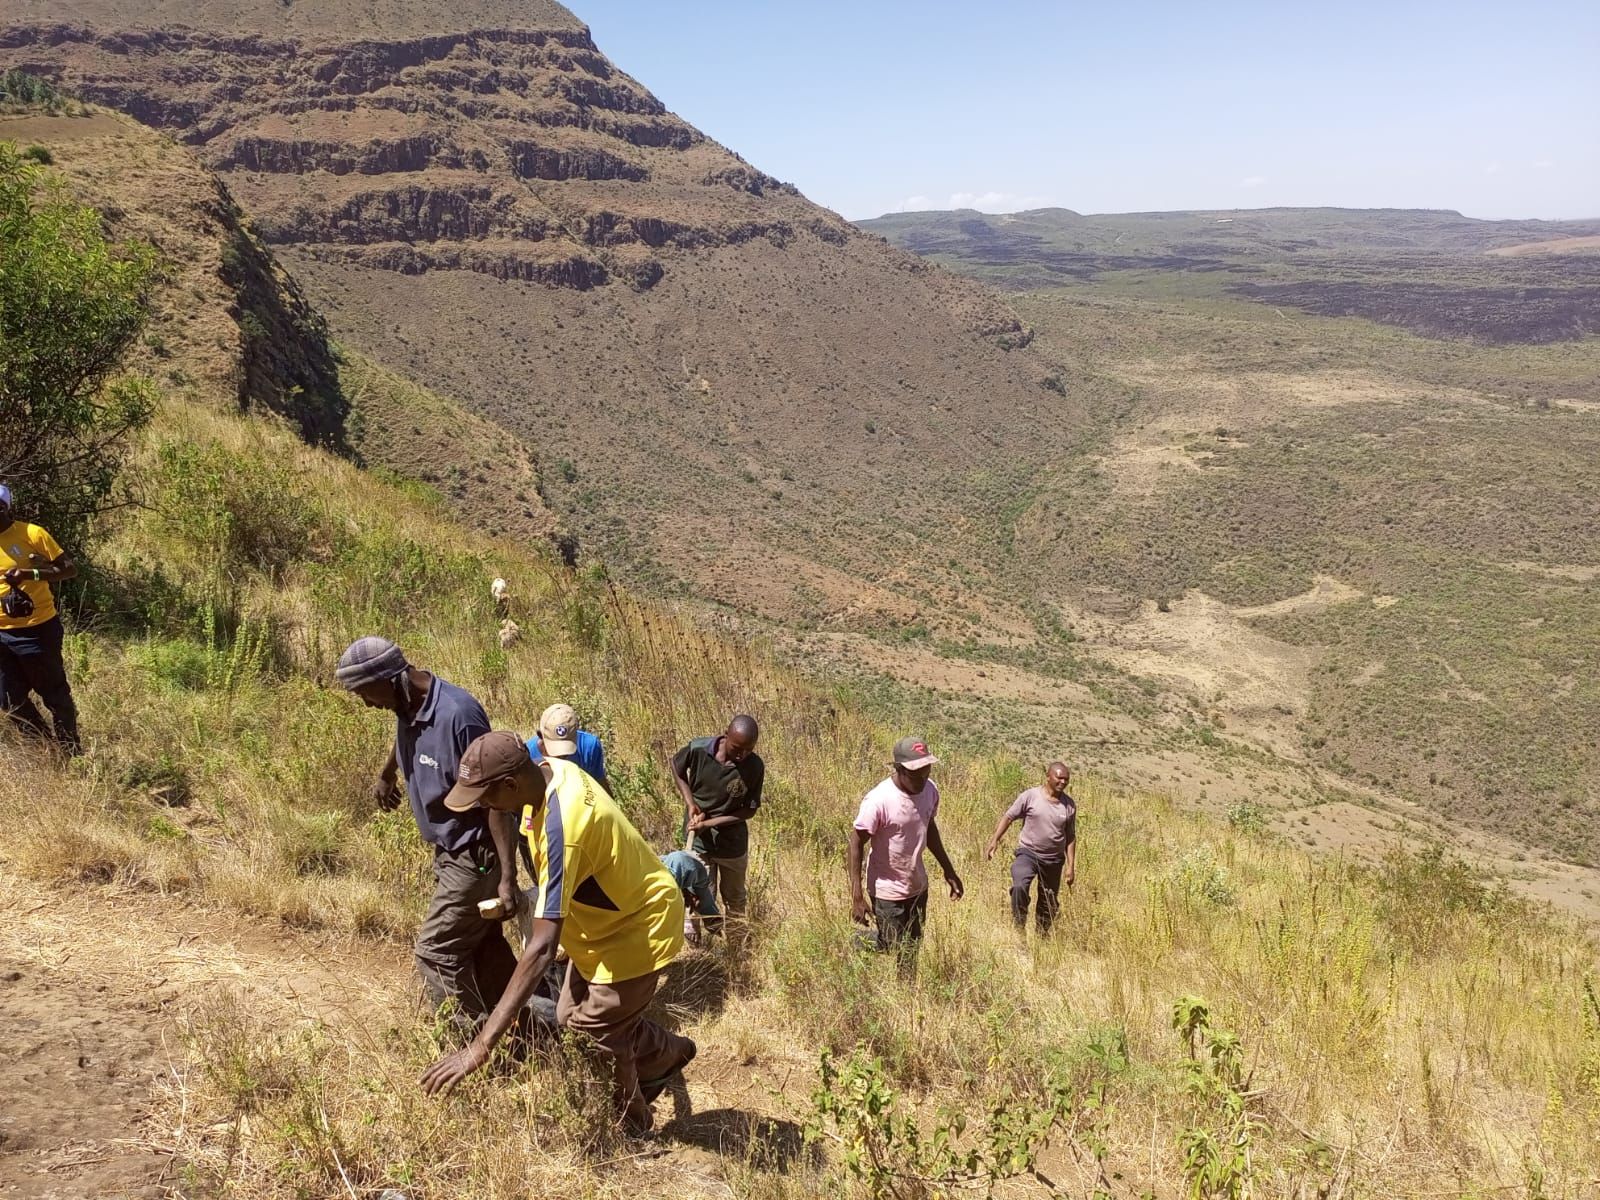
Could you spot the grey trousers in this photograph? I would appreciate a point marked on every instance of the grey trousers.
(460, 956)
(1025, 868)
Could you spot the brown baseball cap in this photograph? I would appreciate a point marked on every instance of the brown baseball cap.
(490, 758)
(912, 754)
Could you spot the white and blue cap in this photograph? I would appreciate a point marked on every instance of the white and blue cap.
(5, 496)
(558, 730)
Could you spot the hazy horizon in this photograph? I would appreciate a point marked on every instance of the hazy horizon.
(894, 107)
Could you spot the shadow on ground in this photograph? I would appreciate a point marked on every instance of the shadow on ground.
(766, 1143)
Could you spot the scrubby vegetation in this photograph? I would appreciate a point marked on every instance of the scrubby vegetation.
(1389, 1030)
(71, 304)
(1218, 1014)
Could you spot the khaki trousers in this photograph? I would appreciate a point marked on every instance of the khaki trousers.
(611, 1016)
(728, 878)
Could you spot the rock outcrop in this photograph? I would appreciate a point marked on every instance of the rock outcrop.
(476, 196)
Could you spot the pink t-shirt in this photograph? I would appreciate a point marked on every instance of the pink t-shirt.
(898, 824)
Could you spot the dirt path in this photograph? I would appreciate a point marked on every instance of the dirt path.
(74, 1080)
(92, 986)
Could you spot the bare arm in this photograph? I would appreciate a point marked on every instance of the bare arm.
(936, 844)
(999, 832)
(739, 814)
(681, 779)
(858, 898)
(386, 791)
(503, 829)
(59, 571)
(1072, 860)
(536, 958)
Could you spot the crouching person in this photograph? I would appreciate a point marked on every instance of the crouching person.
(604, 897)
(693, 878)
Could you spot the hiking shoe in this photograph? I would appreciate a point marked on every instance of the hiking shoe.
(651, 1088)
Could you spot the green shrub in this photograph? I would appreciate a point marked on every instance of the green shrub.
(1197, 875)
(1248, 818)
(71, 303)
(172, 664)
(234, 511)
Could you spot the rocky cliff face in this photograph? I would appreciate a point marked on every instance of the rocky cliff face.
(431, 143)
(475, 195)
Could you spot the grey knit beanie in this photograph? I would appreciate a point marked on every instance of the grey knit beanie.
(369, 660)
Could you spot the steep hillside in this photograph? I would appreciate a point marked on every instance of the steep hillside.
(231, 328)
(731, 372)
(204, 921)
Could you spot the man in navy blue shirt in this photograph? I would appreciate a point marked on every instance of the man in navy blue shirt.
(460, 956)
(560, 737)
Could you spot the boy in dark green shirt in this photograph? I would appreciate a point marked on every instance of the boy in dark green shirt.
(720, 779)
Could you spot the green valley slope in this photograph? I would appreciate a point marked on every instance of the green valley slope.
(1441, 488)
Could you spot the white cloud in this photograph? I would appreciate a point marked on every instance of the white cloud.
(1544, 164)
(913, 204)
(996, 202)
(1252, 181)
(1491, 168)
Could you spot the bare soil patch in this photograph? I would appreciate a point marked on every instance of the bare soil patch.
(1325, 592)
(1571, 572)
(1202, 647)
(1571, 245)
(57, 129)
(89, 1022)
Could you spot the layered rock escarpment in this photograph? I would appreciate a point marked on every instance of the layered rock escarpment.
(474, 195)
(499, 150)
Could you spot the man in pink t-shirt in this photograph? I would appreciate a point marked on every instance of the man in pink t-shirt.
(897, 819)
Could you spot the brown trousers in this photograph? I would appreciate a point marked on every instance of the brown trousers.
(634, 1049)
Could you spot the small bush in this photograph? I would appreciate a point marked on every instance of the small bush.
(39, 154)
(1198, 875)
(1248, 818)
(236, 511)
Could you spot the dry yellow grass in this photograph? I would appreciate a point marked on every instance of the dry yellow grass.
(1411, 1032)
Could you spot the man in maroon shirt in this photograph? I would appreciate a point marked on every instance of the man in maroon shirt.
(1048, 848)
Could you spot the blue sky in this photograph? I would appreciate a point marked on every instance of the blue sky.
(881, 105)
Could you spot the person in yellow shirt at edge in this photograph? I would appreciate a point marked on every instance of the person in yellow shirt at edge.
(603, 896)
(30, 630)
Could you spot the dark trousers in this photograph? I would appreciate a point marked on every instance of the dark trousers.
(30, 661)
(460, 956)
(1025, 868)
(900, 925)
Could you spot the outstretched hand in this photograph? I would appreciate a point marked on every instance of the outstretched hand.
(453, 1068)
(988, 852)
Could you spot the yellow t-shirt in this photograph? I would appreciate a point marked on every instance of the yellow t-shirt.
(623, 913)
(28, 546)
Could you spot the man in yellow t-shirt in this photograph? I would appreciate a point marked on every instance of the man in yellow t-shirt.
(30, 630)
(603, 896)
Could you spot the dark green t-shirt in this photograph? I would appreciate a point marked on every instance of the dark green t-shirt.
(719, 788)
